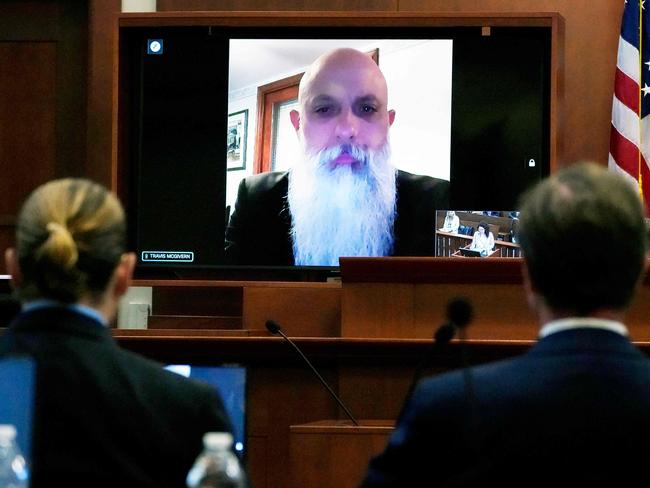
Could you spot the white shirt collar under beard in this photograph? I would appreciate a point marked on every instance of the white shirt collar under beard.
(342, 212)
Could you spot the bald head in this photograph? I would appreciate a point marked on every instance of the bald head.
(346, 63)
(583, 237)
(343, 101)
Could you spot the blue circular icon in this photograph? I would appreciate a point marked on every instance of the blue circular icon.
(155, 46)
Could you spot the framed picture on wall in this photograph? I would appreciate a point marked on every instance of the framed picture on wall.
(236, 140)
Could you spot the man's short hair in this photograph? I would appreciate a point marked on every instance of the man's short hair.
(583, 238)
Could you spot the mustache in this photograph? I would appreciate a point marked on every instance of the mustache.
(327, 155)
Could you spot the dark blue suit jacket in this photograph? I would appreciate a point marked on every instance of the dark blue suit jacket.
(573, 411)
(103, 415)
(259, 230)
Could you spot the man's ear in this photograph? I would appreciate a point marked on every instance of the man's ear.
(532, 295)
(294, 115)
(13, 267)
(123, 274)
(391, 117)
(642, 276)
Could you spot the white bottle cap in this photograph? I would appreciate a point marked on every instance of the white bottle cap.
(7, 431)
(217, 440)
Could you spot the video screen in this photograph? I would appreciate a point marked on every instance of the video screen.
(477, 233)
(277, 147)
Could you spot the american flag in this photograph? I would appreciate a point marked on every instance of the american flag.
(629, 146)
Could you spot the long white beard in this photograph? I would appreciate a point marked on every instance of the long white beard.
(342, 211)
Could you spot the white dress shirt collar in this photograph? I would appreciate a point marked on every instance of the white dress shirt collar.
(582, 323)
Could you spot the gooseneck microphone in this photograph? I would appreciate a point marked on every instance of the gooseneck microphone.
(460, 312)
(274, 328)
(459, 315)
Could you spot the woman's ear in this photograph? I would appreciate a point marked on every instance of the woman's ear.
(532, 296)
(13, 267)
(123, 274)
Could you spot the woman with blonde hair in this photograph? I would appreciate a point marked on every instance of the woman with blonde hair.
(103, 416)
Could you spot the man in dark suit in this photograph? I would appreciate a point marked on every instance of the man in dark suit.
(9, 308)
(103, 416)
(575, 409)
(345, 197)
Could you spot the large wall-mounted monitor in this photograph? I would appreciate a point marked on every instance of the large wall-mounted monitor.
(203, 107)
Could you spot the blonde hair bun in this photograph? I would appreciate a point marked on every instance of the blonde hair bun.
(60, 246)
(70, 236)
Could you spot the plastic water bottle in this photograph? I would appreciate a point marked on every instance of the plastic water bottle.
(13, 468)
(217, 466)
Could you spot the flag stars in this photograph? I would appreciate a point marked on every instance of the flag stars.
(648, 63)
(645, 89)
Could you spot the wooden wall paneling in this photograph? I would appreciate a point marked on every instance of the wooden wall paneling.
(101, 138)
(638, 316)
(277, 398)
(416, 311)
(27, 119)
(377, 310)
(64, 24)
(27, 101)
(377, 391)
(72, 82)
(42, 99)
(307, 310)
(301, 5)
(194, 323)
(27, 126)
(334, 454)
(206, 301)
(500, 310)
(408, 297)
(256, 462)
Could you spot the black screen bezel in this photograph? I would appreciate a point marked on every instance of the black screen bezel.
(463, 180)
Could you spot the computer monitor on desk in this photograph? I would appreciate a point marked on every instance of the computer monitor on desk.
(230, 382)
(469, 253)
(17, 389)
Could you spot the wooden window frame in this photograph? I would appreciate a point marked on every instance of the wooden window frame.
(268, 95)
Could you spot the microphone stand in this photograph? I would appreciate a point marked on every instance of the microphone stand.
(443, 335)
(275, 329)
